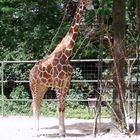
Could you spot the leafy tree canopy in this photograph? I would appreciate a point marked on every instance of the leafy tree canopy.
(27, 28)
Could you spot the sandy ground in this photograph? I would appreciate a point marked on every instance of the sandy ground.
(21, 128)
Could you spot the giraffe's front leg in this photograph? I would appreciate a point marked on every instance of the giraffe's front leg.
(62, 131)
(61, 109)
(37, 99)
(36, 112)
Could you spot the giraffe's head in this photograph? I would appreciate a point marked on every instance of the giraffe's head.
(88, 4)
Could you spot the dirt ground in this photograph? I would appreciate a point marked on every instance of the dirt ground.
(21, 128)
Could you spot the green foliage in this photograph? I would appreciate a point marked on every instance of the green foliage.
(77, 74)
(48, 109)
(19, 93)
(79, 90)
(25, 27)
(28, 27)
(131, 30)
(17, 71)
(80, 112)
(17, 106)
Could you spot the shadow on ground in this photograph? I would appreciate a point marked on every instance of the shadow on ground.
(82, 130)
(73, 130)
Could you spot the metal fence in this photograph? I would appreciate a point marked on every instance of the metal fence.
(96, 72)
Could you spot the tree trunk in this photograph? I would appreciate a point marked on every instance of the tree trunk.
(118, 116)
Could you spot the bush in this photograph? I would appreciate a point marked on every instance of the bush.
(19, 93)
(79, 90)
(18, 104)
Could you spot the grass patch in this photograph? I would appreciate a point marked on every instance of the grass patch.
(49, 109)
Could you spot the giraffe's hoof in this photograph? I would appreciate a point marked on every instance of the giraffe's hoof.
(62, 134)
(36, 134)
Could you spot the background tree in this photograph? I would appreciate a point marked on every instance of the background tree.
(119, 62)
(119, 116)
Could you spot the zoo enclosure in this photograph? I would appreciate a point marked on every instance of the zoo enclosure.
(97, 72)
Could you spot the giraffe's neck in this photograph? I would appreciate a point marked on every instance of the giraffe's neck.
(67, 43)
(73, 31)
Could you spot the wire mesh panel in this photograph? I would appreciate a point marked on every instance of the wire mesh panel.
(89, 79)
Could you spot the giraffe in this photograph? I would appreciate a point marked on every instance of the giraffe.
(56, 71)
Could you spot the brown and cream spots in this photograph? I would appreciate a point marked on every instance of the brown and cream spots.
(56, 71)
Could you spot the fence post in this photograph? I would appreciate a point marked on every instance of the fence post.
(2, 86)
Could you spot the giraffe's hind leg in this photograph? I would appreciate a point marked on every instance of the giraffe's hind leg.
(61, 95)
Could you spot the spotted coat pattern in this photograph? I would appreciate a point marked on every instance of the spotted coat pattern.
(55, 71)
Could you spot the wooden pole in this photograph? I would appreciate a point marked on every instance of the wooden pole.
(138, 49)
